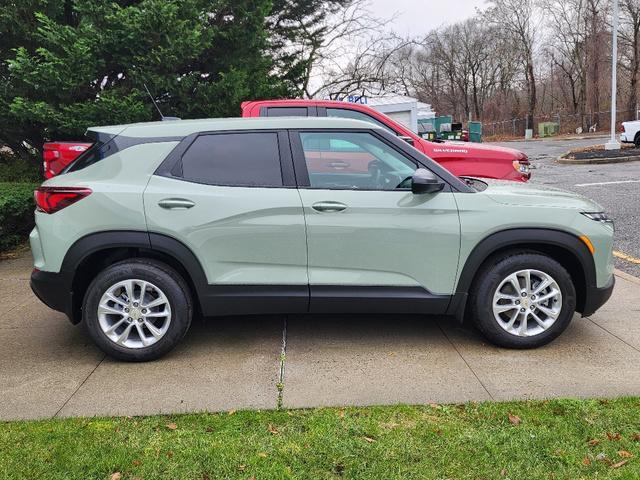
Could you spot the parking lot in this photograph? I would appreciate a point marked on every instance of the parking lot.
(50, 368)
(614, 186)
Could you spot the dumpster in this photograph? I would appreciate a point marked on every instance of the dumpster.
(475, 132)
(548, 129)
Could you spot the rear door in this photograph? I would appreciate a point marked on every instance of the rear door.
(369, 237)
(231, 198)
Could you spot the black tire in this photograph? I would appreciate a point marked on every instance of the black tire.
(636, 140)
(487, 282)
(167, 280)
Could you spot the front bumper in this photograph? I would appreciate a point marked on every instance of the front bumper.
(596, 297)
(54, 290)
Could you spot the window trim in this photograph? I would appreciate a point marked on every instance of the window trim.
(302, 173)
(171, 166)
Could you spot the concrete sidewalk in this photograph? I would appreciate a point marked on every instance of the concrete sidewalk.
(50, 368)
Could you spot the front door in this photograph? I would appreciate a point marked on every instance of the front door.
(368, 236)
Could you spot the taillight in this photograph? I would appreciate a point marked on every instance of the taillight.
(49, 156)
(53, 199)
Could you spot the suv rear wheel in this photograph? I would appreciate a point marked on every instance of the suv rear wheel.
(522, 300)
(137, 310)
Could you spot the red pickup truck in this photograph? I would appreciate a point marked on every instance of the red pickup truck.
(462, 159)
(57, 155)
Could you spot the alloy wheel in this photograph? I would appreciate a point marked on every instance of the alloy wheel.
(134, 313)
(527, 303)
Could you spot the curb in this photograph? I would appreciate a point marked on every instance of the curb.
(597, 161)
(556, 138)
(626, 276)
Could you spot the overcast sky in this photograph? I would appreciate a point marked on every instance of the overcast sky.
(417, 17)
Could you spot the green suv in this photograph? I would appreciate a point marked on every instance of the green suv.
(158, 222)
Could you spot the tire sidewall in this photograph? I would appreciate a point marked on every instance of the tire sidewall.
(165, 279)
(491, 279)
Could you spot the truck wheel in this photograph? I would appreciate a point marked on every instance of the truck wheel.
(137, 310)
(522, 300)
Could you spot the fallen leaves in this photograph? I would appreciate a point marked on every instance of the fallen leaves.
(586, 461)
(514, 419)
(273, 430)
(171, 426)
(635, 437)
(614, 436)
(593, 442)
(115, 476)
(625, 454)
(619, 464)
(262, 454)
(369, 439)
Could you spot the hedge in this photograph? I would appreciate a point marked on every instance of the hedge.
(16, 213)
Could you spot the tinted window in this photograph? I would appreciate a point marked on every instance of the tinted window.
(240, 159)
(355, 160)
(287, 112)
(345, 113)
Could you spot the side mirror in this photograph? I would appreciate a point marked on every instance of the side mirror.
(407, 139)
(425, 181)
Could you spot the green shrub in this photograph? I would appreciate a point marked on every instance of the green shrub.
(16, 213)
(16, 169)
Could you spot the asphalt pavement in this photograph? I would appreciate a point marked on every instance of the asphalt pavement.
(614, 186)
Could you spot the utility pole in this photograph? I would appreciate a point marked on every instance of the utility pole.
(613, 143)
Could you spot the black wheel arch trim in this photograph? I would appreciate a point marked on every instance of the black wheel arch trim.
(514, 238)
(150, 241)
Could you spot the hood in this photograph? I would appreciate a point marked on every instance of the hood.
(479, 150)
(527, 194)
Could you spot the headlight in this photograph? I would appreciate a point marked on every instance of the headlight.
(522, 167)
(598, 217)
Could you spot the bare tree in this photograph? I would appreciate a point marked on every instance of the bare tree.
(517, 19)
(630, 49)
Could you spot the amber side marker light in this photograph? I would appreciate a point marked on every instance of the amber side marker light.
(588, 243)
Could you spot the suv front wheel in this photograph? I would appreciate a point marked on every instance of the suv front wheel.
(137, 310)
(522, 300)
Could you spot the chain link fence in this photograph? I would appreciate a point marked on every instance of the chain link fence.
(593, 122)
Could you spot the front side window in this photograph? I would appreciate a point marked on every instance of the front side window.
(354, 161)
(234, 159)
(355, 115)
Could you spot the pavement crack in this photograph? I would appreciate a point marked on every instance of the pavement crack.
(79, 386)
(283, 357)
(465, 361)
(614, 335)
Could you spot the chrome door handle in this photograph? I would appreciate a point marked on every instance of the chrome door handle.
(328, 207)
(339, 165)
(175, 203)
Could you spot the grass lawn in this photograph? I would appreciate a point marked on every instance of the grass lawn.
(560, 439)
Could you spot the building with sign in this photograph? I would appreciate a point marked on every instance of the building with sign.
(402, 109)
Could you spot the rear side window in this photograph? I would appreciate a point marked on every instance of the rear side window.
(104, 145)
(287, 112)
(234, 159)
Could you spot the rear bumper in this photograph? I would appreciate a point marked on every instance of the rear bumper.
(54, 290)
(597, 297)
